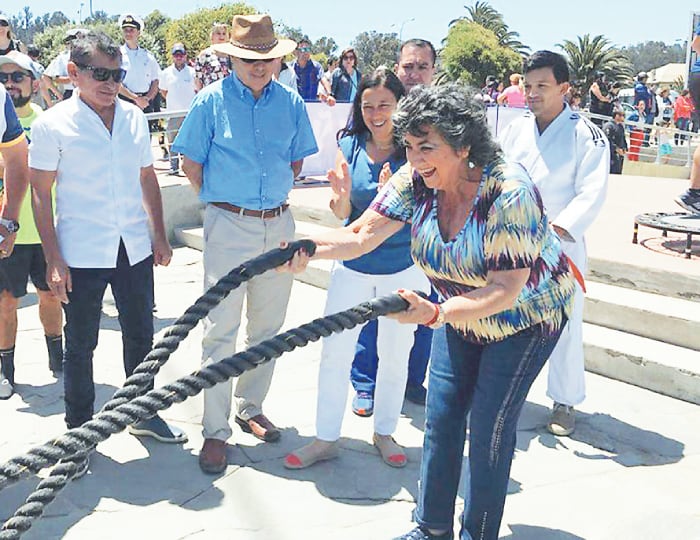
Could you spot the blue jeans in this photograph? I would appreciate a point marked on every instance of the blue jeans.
(132, 288)
(364, 367)
(490, 381)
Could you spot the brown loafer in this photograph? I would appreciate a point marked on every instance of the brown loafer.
(260, 427)
(212, 458)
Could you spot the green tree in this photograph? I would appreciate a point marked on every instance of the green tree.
(50, 41)
(58, 18)
(293, 33)
(193, 29)
(483, 14)
(325, 45)
(589, 54)
(100, 16)
(375, 49)
(652, 54)
(472, 53)
(156, 25)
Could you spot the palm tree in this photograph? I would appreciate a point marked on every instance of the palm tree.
(592, 54)
(483, 14)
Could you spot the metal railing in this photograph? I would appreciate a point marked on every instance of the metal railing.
(643, 142)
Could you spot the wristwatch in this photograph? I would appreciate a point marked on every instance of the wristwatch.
(440, 319)
(11, 225)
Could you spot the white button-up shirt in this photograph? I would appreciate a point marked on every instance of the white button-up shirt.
(141, 69)
(98, 180)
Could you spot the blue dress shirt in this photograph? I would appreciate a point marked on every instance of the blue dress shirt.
(246, 146)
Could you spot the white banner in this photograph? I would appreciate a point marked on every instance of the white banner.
(326, 121)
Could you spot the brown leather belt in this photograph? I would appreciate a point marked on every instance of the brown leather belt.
(264, 214)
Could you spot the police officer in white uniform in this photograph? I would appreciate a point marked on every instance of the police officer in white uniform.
(140, 86)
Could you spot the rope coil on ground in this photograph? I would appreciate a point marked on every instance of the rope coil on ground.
(129, 405)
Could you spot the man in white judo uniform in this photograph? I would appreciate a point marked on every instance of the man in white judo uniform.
(568, 158)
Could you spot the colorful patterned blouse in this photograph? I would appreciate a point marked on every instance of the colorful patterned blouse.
(506, 229)
(210, 67)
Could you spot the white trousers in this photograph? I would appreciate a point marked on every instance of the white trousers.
(566, 382)
(230, 240)
(394, 341)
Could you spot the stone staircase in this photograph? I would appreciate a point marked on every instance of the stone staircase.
(641, 326)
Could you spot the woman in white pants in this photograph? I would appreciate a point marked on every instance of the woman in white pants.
(367, 155)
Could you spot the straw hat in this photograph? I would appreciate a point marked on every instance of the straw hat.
(252, 36)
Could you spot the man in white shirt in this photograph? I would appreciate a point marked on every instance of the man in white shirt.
(567, 157)
(177, 86)
(97, 151)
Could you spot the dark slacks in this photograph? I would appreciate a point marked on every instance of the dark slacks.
(132, 287)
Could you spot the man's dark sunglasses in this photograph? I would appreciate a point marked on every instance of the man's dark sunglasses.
(4, 23)
(101, 74)
(253, 60)
(15, 77)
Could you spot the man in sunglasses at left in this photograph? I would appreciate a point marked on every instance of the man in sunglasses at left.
(109, 227)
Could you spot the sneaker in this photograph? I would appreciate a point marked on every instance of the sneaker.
(173, 172)
(562, 421)
(690, 200)
(420, 533)
(363, 404)
(6, 389)
(157, 428)
(416, 393)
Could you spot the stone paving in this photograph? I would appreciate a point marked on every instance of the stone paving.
(631, 470)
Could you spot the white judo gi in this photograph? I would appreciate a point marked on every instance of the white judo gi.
(569, 163)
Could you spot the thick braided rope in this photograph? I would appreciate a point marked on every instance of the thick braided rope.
(146, 371)
(117, 419)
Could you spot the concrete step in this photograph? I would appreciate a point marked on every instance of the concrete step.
(662, 318)
(667, 369)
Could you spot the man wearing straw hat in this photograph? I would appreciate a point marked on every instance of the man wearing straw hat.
(244, 141)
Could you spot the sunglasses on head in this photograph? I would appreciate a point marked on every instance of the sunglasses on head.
(15, 77)
(253, 60)
(101, 74)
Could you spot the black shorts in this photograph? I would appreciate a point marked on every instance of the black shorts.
(26, 261)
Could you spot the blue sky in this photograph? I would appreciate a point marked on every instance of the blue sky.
(541, 24)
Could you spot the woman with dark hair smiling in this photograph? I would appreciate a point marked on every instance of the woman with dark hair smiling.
(367, 152)
(480, 233)
(345, 79)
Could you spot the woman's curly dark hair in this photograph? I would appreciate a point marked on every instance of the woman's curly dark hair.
(453, 112)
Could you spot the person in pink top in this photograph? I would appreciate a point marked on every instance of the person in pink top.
(513, 96)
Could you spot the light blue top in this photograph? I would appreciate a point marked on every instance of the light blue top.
(394, 254)
(246, 145)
